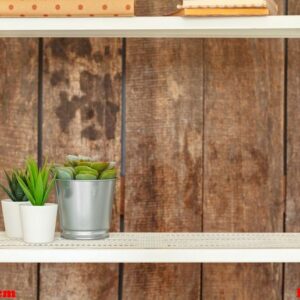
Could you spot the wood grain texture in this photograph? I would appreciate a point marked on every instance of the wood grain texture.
(155, 7)
(18, 135)
(292, 271)
(243, 158)
(164, 153)
(82, 105)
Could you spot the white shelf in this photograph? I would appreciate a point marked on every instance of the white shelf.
(228, 27)
(159, 248)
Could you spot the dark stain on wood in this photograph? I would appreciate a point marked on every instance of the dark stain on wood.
(91, 133)
(67, 109)
(98, 57)
(63, 48)
(111, 111)
(97, 91)
(106, 50)
(108, 88)
(88, 113)
(90, 83)
(58, 77)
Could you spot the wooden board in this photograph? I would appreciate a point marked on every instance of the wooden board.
(164, 153)
(154, 7)
(217, 12)
(164, 158)
(292, 221)
(82, 105)
(243, 158)
(18, 136)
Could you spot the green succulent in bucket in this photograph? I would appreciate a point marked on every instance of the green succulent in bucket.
(85, 168)
(14, 190)
(108, 174)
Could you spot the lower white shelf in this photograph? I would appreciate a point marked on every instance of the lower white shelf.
(159, 248)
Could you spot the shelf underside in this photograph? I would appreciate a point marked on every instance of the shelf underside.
(159, 248)
(160, 27)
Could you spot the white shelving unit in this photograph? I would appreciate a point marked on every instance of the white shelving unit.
(159, 248)
(154, 27)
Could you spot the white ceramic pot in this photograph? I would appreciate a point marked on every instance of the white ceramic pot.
(12, 219)
(38, 222)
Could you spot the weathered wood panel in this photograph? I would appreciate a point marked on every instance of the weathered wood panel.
(82, 104)
(18, 136)
(164, 153)
(243, 158)
(164, 158)
(292, 271)
(154, 7)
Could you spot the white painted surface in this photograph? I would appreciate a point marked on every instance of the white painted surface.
(38, 222)
(228, 27)
(12, 218)
(160, 248)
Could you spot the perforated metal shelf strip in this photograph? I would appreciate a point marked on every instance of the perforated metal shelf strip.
(169, 241)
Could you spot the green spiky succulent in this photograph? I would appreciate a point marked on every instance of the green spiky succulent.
(85, 168)
(14, 190)
(37, 184)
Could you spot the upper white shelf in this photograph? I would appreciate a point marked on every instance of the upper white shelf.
(159, 248)
(152, 27)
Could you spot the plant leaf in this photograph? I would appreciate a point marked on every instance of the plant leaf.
(45, 173)
(30, 179)
(33, 169)
(26, 190)
(9, 194)
(39, 190)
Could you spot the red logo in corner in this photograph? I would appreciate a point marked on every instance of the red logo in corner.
(8, 294)
(298, 293)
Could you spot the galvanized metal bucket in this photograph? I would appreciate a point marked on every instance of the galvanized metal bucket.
(85, 208)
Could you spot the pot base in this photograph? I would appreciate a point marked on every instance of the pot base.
(84, 235)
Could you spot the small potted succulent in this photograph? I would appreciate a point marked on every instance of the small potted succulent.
(10, 207)
(85, 192)
(38, 219)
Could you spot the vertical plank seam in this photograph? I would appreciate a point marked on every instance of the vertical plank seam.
(40, 101)
(123, 160)
(285, 143)
(40, 127)
(123, 133)
(203, 158)
(123, 110)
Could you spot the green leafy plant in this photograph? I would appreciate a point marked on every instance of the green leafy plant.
(14, 190)
(85, 168)
(37, 184)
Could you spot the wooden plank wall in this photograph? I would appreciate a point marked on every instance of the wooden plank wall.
(243, 158)
(210, 135)
(165, 128)
(18, 136)
(243, 150)
(292, 221)
(82, 105)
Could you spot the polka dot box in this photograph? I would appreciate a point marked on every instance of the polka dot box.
(66, 8)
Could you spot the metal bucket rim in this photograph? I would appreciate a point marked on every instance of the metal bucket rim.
(95, 180)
